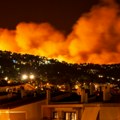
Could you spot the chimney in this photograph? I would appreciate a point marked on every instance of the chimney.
(48, 96)
(92, 88)
(84, 96)
(106, 93)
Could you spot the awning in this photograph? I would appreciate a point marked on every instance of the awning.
(110, 113)
(90, 113)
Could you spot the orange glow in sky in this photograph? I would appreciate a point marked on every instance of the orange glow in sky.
(95, 38)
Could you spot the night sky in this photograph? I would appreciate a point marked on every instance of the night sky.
(62, 14)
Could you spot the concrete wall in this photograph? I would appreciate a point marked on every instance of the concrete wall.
(85, 111)
(12, 115)
(33, 111)
(27, 112)
(110, 113)
(41, 111)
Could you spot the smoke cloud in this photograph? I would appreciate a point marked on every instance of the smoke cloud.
(95, 37)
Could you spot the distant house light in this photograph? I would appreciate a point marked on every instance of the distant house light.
(6, 78)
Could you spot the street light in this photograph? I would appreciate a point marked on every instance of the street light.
(24, 77)
(31, 76)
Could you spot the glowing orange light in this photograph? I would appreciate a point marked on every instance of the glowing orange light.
(94, 38)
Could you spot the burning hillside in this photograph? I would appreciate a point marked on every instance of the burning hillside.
(95, 37)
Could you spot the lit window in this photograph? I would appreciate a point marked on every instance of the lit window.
(55, 115)
(70, 116)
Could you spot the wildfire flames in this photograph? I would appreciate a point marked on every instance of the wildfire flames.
(95, 38)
